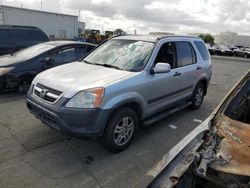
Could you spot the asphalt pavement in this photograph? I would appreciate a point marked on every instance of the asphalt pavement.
(33, 155)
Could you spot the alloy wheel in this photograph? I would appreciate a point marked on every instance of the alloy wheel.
(199, 96)
(123, 131)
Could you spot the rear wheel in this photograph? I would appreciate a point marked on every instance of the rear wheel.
(198, 96)
(121, 130)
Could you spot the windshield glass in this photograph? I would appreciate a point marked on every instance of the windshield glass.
(33, 50)
(127, 55)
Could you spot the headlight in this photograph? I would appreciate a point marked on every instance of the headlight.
(90, 98)
(5, 70)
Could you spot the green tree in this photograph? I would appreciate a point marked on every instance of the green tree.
(207, 38)
(119, 32)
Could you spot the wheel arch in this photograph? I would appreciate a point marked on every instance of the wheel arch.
(204, 82)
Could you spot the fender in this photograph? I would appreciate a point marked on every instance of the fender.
(202, 77)
(126, 98)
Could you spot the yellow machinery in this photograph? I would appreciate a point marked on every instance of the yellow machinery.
(94, 36)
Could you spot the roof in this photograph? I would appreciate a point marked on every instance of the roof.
(17, 27)
(66, 42)
(41, 11)
(151, 38)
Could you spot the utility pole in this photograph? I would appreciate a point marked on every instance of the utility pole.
(79, 19)
(41, 4)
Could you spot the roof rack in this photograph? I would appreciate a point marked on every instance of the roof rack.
(168, 36)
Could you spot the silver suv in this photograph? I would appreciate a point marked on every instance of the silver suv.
(127, 81)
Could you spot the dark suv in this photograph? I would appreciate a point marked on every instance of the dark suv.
(14, 38)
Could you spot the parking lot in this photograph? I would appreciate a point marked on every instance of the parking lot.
(31, 154)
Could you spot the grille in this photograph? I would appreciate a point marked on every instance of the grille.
(47, 94)
(43, 116)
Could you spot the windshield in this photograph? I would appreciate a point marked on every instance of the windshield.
(127, 55)
(33, 50)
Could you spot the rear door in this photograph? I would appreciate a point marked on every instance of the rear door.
(188, 67)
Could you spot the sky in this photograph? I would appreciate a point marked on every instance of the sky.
(175, 16)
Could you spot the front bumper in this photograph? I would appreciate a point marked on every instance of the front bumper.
(74, 122)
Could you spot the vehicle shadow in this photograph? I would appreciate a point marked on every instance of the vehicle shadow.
(70, 157)
(55, 156)
(11, 96)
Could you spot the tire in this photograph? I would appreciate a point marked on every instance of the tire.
(121, 130)
(197, 98)
(245, 55)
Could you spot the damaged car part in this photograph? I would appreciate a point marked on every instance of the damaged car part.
(224, 156)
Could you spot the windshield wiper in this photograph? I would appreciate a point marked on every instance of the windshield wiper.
(86, 61)
(107, 65)
(104, 65)
(111, 66)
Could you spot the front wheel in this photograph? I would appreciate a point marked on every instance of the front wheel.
(121, 130)
(197, 98)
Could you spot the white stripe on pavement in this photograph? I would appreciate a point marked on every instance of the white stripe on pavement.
(197, 120)
(172, 126)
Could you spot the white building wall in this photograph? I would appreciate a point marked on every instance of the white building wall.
(232, 38)
(1, 16)
(57, 25)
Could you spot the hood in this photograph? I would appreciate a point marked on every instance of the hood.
(8, 60)
(77, 76)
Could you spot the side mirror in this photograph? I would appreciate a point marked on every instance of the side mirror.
(47, 60)
(161, 68)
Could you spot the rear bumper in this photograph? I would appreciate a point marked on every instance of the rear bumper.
(74, 122)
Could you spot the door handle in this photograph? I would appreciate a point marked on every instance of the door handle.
(198, 68)
(177, 74)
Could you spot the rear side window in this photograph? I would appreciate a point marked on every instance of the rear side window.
(7, 37)
(38, 35)
(80, 52)
(202, 49)
(186, 54)
(64, 56)
(26, 35)
(90, 48)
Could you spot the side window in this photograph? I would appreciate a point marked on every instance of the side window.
(90, 48)
(186, 54)
(80, 52)
(63, 56)
(4, 37)
(202, 49)
(167, 54)
(38, 36)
